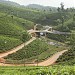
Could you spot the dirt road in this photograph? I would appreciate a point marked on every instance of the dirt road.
(47, 62)
(52, 59)
(16, 48)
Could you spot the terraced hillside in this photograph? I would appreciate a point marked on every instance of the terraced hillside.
(68, 57)
(16, 20)
(7, 43)
(37, 50)
(11, 31)
(21, 12)
(37, 16)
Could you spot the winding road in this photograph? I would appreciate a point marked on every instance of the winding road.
(47, 62)
(52, 59)
(16, 48)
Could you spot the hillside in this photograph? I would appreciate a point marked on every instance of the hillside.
(46, 51)
(42, 8)
(6, 2)
(7, 43)
(20, 12)
(37, 13)
(11, 31)
(15, 20)
(13, 25)
(38, 50)
(37, 16)
(31, 6)
(68, 57)
(68, 26)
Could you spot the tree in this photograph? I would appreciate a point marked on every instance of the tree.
(67, 10)
(62, 7)
(25, 36)
(62, 20)
(72, 39)
(50, 10)
(74, 17)
(12, 16)
(58, 21)
(58, 9)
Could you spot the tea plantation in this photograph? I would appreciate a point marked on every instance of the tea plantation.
(38, 48)
(51, 70)
(11, 31)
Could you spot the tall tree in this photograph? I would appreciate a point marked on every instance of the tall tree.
(62, 20)
(58, 9)
(25, 37)
(62, 7)
(74, 17)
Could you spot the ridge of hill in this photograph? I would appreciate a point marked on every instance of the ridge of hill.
(37, 16)
(41, 7)
(10, 3)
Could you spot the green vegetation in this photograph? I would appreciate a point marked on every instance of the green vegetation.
(66, 22)
(33, 49)
(69, 56)
(38, 48)
(7, 43)
(8, 27)
(67, 27)
(15, 24)
(46, 9)
(15, 20)
(20, 12)
(11, 31)
(51, 70)
(41, 17)
(58, 37)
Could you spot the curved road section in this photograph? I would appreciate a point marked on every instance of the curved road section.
(16, 48)
(47, 62)
(52, 59)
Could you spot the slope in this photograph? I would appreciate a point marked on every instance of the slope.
(69, 56)
(11, 31)
(38, 50)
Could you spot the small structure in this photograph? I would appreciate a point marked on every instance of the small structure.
(36, 33)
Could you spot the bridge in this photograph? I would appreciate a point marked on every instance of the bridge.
(47, 29)
(41, 32)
